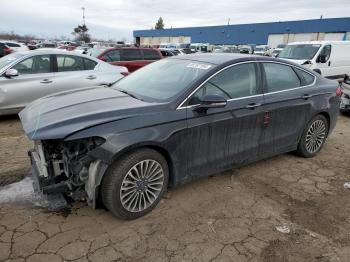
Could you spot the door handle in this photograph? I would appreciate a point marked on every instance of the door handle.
(46, 81)
(252, 106)
(306, 96)
(329, 63)
(91, 77)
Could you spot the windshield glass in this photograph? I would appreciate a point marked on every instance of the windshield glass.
(280, 46)
(4, 61)
(299, 52)
(162, 80)
(259, 49)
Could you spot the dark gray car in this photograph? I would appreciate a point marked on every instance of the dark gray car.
(173, 121)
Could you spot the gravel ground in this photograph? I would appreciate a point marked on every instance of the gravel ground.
(282, 209)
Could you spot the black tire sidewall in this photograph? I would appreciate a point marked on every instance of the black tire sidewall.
(302, 143)
(113, 179)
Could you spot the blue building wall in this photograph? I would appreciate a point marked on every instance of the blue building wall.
(250, 33)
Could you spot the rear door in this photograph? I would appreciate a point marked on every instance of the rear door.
(34, 80)
(224, 137)
(288, 99)
(74, 72)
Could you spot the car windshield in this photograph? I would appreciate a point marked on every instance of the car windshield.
(299, 52)
(4, 61)
(259, 49)
(280, 46)
(162, 80)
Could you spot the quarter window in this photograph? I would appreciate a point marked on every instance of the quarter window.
(89, 64)
(280, 77)
(69, 63)
(235, 82)
(34, 65)
(308, 78)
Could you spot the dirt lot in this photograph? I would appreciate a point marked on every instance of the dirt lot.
(228, 217)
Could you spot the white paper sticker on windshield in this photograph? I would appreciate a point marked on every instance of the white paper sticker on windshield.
(199, 66)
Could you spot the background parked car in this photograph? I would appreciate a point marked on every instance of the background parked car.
(46, 45)
(331, 59)
(278, 50)
(345, 98)
(262, 50)
(16, 47)
(166, 52)
(4, 49)
(26, 76)
(131, 58)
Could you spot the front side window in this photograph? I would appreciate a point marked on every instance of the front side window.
(34, 65)
(235, 82)
(326, 52)
(69, 63)
(112, 56)
(280, 77)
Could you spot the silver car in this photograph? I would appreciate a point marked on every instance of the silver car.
(26, 76)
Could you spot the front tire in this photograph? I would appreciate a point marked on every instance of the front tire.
(313, 137)
(135, 184)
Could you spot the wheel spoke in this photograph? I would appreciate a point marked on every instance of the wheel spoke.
(315, 136)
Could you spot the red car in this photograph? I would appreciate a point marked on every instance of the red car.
(131, 58)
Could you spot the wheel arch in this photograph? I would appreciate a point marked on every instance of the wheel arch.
(155, 146)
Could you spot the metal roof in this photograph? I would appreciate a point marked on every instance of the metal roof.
(250, 33)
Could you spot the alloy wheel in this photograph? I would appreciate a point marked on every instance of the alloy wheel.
(142, 185)
(315, 136)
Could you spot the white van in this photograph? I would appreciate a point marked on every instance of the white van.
(331, 59)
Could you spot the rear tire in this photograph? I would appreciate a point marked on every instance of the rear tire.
(313, 137)
(134, 184)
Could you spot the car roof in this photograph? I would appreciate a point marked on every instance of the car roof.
(216, 58)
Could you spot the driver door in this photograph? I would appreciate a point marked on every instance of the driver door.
(224, 137)
(326, 65)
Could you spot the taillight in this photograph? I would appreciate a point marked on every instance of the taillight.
(339, 91)
(124, 73)
(8, 50)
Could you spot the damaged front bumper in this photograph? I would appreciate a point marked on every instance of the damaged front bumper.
(51, 182)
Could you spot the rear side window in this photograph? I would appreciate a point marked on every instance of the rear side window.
(308, 78)
(13, 45)
(151, 55)
(69, 63)
(131, 55)
(34, 65)
(280, 77)
(112, 56)
(89, 64)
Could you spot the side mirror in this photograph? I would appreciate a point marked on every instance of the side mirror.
(11, 73)
(211, 101)
(322, 59)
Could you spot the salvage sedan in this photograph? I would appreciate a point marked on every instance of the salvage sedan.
(26, 76)
(173, 121)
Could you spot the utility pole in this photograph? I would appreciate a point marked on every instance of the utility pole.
(83, 8)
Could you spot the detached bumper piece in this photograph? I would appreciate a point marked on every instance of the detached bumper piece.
(43, 182)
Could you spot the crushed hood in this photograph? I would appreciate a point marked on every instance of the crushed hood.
(62, 114)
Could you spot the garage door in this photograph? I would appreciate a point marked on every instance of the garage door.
(300, 37)
(275, 40)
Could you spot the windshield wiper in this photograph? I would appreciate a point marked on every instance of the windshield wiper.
(129, 94)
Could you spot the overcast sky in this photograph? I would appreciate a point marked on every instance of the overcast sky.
(116, 19)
